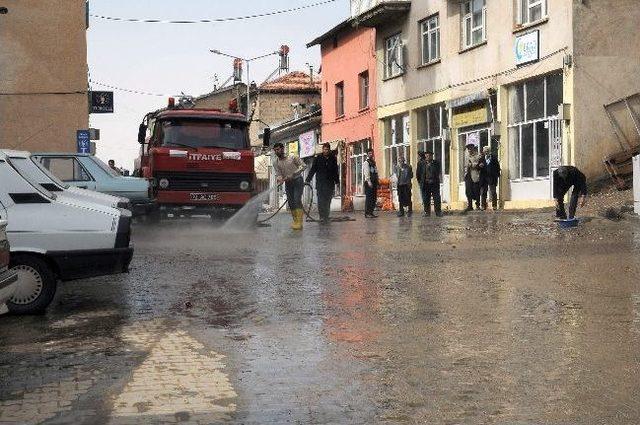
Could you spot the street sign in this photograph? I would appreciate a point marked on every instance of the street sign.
(101, 102)
(83, 141)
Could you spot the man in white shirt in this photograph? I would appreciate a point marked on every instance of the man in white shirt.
(289, 171)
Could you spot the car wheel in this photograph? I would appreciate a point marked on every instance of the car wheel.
(36, 285)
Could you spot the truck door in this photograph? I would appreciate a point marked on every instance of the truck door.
(70, 171)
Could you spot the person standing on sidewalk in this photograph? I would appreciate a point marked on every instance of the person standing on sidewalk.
(472, 177)
(484, 185)
(325, 168)
(431, 185)
(420, 176)
(405, 175)
(370, 176)
(289, 171)
(492, 175)
(563, 179)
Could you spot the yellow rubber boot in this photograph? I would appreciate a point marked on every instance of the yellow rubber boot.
(297, 222)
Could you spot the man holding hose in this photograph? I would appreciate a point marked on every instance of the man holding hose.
(289, 171)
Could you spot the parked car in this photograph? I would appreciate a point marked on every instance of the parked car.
(57, 238)
(8, 278)
(23, 161)
(89, 172)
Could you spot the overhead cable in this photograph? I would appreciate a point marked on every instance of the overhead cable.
(97, 83)
(212, 20)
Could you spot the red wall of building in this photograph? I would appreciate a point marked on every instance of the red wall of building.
(354, 54)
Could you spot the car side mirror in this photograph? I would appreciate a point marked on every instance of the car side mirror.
(142, 133)
(266, 137)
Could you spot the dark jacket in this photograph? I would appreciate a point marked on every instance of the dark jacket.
(492, 170)
(428, 172)
(325, 169)
(404, 174)
(572, 177)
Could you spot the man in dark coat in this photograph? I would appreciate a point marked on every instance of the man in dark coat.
(564, 178)
(429, 179)
(490, 176)
(404, 173)
(370, 176)
(325, 168)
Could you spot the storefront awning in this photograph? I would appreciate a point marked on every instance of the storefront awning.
(469, 99)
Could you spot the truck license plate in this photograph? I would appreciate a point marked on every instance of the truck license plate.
(203, 196)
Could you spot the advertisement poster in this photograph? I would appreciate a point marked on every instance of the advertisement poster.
(307, 144)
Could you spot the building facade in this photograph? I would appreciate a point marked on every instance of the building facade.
(43, 74)
(349, 101)
(526, 77)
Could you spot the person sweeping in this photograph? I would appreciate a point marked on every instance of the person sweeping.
(289, 171)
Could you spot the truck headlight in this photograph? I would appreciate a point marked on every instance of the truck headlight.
(164, 183)
(244, 185)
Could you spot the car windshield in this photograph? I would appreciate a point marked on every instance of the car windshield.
(105, 167)
(33, 170)
(29, 179)
(48, 173)
(194, 133)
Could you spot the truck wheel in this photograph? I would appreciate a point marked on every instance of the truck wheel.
(36, 285)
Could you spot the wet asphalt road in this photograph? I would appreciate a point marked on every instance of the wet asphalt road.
(485, 318)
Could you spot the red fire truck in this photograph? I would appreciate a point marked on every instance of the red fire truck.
(198, 160)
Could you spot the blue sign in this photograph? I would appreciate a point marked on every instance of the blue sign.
(83, 141)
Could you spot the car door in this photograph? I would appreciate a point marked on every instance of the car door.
(69, 170)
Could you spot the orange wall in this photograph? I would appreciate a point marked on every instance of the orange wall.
(355, 53)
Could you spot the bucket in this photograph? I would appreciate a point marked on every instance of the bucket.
(568, 223)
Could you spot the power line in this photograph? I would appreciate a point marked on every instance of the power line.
(212, 20)
(145, 93)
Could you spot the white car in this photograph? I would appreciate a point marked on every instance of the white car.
(8, 278)
(26, 164)
(57, 238)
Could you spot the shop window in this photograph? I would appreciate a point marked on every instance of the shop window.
(431, 124)
(340, 99)
(396, 142)
(533, 109)
(474, 22)
(357, 158)
(363, 79)
(530, 11)
(393, 56)
(430, 29)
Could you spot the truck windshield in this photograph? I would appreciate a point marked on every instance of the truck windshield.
(193, 133)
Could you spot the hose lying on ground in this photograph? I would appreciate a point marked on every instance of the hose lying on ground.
(307, 212)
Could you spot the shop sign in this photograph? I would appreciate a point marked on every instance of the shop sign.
(469, 117)
(101, 102)
(307, 144)
(527, 47)
(83, 141)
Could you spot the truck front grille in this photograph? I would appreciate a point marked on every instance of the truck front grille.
(209, 182)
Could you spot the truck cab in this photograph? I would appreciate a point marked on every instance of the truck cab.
(199, 161)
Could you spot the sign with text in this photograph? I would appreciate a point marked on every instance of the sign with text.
(101, 102)
(83, 141)
(469, 116)
(527, 48)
